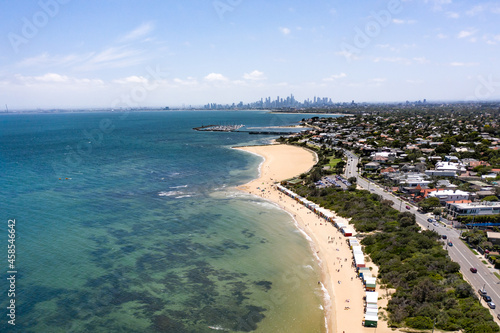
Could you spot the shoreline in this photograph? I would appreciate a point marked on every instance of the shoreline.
(343, 291)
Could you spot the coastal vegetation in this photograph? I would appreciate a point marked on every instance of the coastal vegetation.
(429, 286)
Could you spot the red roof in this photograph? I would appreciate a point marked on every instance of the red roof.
(425, 192)
(459, 201)
(388, 170)
(474, 164)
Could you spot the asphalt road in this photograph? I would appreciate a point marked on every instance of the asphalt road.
(459, 252)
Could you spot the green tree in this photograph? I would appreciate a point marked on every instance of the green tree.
(490, 198)
(429, 203)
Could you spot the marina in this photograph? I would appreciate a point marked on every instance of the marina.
(219, 128)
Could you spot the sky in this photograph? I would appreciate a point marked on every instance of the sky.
(123, 54)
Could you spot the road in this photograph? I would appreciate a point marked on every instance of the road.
(459, 252)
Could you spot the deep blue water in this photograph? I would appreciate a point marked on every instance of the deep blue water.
(128, 222)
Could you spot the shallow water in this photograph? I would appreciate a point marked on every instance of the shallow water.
(129, 222)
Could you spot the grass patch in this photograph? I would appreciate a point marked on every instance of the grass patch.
(484, 262)
(333, 162)
(497, 275)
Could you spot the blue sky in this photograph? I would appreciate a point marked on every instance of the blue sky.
(110, 53)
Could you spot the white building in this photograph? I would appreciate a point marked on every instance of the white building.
(413, 180)
(472, 209)
(450, 195)
(450, 166)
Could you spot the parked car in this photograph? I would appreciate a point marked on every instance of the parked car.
(498, 316)
(444, 236)
(482, 292)
(491, 305)
(450, 244)
(473, 270)
(429, 220)
(487, 298)
(407, 207)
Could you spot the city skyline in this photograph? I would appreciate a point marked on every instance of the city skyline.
(68, 54)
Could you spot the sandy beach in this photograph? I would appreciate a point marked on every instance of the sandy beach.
(345, 312)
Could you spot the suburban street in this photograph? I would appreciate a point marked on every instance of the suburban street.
(458, 251)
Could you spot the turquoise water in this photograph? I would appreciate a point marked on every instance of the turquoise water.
(129, 222)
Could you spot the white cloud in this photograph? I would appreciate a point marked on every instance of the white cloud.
(215, 77)
(421, 60)
(138, 32)
(463, 64)
(399, 21)
(132, 79)
(491, 39)
(398, 60)
(475, 10)
(113, 57)
(415, 81)
(285, 31)
(52, 77)
(453, 15)
(441, 36)
(46, 60)
(335, 77)
(437, 5)
(466, 33)
(254, 76)
(348, 55)
(190, 81)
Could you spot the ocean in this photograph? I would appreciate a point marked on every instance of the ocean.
(130, 222)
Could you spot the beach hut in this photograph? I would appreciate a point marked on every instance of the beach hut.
(347, 232)
(370, 284)
(372, 298)
(371, 320)
(371, 308)
(329, 216)
(353, 242)
(356, 249)
(359, 260)
(363, 270)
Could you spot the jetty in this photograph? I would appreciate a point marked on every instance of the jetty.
(219, 128)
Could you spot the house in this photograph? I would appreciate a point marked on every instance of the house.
(479, 185)
(413, 180)
(457, 167)
(493, 237)
(380, 159)
(372, 166)
(474, 164)
(473, 209)
(450, 195)
(388, 170)
(441, 173)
